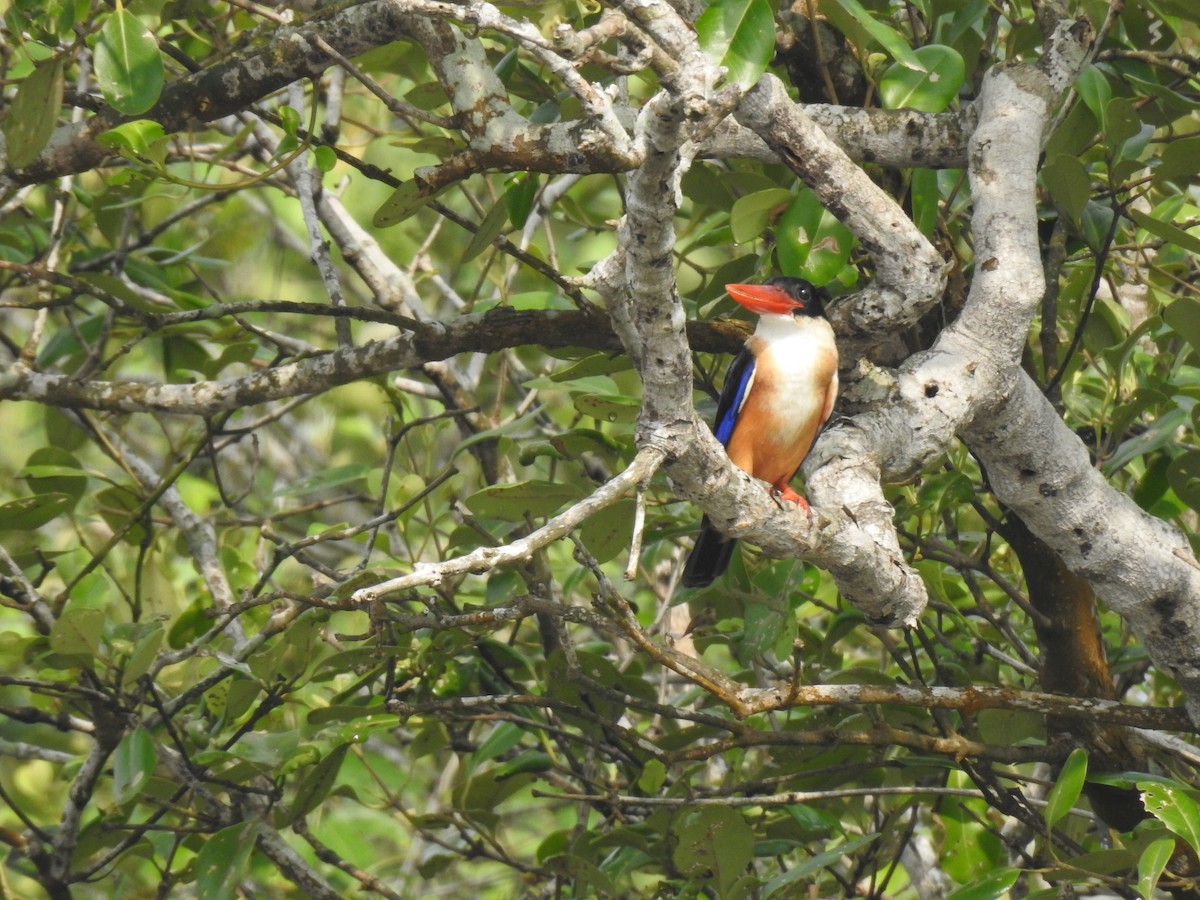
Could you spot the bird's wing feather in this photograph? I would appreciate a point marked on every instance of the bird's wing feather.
(733, 394)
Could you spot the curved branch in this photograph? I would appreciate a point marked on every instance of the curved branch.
(484, 559)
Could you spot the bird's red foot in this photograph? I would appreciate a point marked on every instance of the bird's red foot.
(779, 494)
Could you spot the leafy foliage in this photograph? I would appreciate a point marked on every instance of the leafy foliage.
(196, 698)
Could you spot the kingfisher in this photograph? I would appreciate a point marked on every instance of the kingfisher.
(777, 395)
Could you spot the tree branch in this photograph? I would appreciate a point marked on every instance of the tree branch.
(487, 558)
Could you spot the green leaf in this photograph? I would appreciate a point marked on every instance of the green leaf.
(333, 477)
(116, 506)
(654, 775)
(271, 749)
(1095, 222)
(928, 89)
(608, 407)
(405, 200)
(810, 241)
(133, 764)
(430, 95)
(489, 229)
(1069, 185)
(926, 200)
(1121, 121)
(1151, 864)
(222, 861)
(609, 531)
(993, 885)
(752, 213)
(129, 67)
(77, 632)
(764, 622)
(66, 340)
(1094, 90)
(137, 138)
(1165, 230)
(143, 655)
(29, 513)
(519, 193)
(1183, 315)
(861, 27)
(1173, 807)
(33, 112)
(325, 158)
(502, 738)
(515, 501)
(739, 35)
(1067, 788)
(316, 784)
(487, 789)
(1179, 161)
(815, 863)
(54, 470)
(715, 844)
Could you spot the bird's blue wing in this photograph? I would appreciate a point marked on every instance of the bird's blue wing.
(733, 394)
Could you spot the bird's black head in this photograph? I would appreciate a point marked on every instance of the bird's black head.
(809, 299)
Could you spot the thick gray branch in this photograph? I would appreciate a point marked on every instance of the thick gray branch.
(904, 138)
(909, 273)
(1140, 566)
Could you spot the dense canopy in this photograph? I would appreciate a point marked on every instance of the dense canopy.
(357, 360)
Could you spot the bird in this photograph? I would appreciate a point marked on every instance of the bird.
(778, 393)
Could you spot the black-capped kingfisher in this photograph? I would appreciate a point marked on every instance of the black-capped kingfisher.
(778, 393)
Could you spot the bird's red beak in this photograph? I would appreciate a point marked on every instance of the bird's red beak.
(763, 298)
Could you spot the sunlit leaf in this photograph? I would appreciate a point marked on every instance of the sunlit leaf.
(928, 89)
(653, 776)
(54, 470)
(136, 138)
(129, 67)
(1151, 864)
(77, 632)
(1175, 808)
(739, 35)
(751, 213)
(810, 241)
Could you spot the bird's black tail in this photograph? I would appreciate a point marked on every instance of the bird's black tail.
(709, 558)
